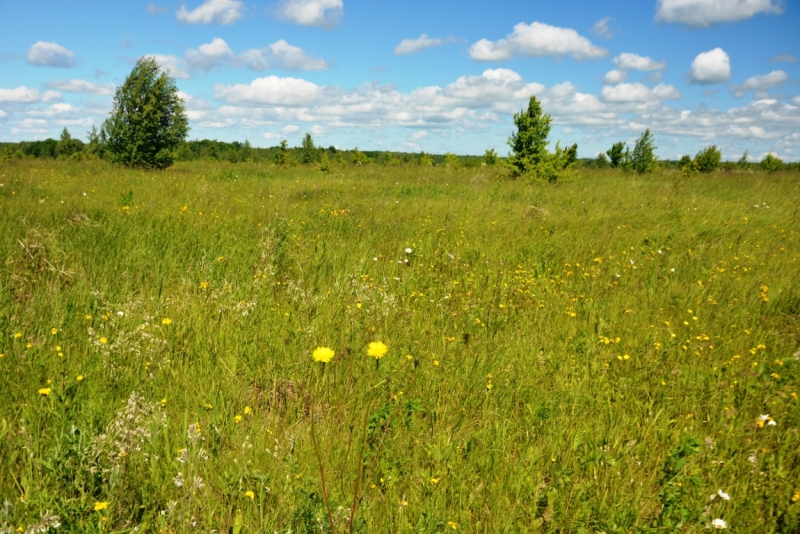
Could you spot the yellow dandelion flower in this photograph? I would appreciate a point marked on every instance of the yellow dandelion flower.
(247, 410)
(166, 321)
(163, 402)
(323, 354)
(452, 524)
(54, 331)
(377, 350)
(79, 378)
(44, 392)
(17, 335)
(250, 495)
(101, 505)
(237, 419)
(434, 481)
(103, 340)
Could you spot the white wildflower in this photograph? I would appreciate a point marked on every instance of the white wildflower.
(719, 524)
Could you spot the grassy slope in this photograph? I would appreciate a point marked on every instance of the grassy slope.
(544, 368)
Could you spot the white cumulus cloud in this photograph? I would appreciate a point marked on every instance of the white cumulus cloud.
(613, 77)
(82, 87)
(537, 39)
(45, 54)
(629, 61)
(25, 95)
(410, 46)
(713, 66)
(172, 65)
(280, 55)
(638, 92)
(211, 12)
(703, 13)
(209, 55)
(761, 82)
(272, 91)
(326, 13)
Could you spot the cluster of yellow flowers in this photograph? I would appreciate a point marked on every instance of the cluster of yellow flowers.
(376, 349)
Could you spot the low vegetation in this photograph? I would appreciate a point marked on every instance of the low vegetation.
(255, 347)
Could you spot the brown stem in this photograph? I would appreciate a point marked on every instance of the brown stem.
(321, 471)
(360, 470)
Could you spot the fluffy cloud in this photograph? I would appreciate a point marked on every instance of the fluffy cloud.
(628, 61)
(272, 91)
(713, 66)
(171, 64)
(212, 12)
(280, 55)
(83, 87)
(45, 54)
(537, 39)
(703, 13)
(761, 82)
(25, 95)
(602, 28)
(209, 55)
(613, 77)
(326, 13)
(637, 92)
(410, 46)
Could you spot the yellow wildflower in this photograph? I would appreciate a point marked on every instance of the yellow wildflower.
(54, 331)
(101, 505)
(103, 340)
(796, 496)
(79, 378)
(434, 481)
(237, 419)
(250, 495)
(247, 410)
(323, 354)
(377, 350)
(166, 321)
(163, 402)
(17, 335)
(452, 524)
(45, 391)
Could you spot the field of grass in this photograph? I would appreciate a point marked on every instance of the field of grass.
(612, 354)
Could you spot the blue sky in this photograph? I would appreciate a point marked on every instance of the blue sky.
(437, 76)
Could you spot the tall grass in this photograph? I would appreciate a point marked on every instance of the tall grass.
(592, 356)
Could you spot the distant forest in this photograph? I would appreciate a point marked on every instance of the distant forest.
(235, 152)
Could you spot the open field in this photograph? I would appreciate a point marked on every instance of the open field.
(591, 356)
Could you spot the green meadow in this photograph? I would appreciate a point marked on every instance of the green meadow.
(613, 353)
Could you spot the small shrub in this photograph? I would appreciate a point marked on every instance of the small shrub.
(707, 160)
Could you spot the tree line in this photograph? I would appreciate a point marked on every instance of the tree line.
(148, 126)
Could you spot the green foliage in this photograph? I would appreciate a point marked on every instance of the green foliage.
(771, 163)
(616, 154)
(684, 161)
(425, 160)
(282, 156)
(744, 162)
(643, 159)
(325, 164)
(490, 157)
(708, 159)
(148, 121)
(529, 142)
(451, 160)
(308, 150)
(601, 161)
(359, 158)
(67, 146)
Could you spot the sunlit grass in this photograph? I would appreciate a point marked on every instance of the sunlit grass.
(592, 356)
